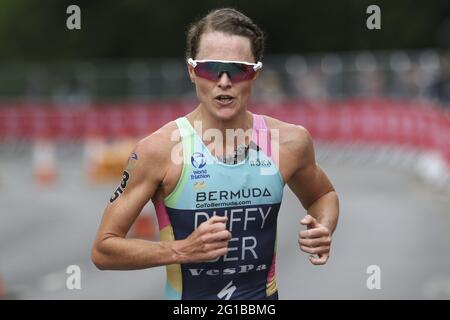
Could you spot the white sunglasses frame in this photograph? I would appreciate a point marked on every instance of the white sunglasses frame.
(256, 66)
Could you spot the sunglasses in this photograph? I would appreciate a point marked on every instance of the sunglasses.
(236, 70)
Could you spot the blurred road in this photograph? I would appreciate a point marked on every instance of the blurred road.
(389, 218)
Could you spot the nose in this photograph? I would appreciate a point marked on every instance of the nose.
(224, 81)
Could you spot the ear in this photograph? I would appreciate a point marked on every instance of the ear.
(256, 76)
(191, 73)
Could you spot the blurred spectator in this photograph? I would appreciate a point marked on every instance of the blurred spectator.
(440, 88)
(269, 86)
(401, 74)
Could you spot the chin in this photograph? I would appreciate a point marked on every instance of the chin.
(226, 113)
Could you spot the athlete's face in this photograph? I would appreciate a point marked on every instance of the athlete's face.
(220, 46)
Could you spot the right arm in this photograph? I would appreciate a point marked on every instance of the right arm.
(112, 250)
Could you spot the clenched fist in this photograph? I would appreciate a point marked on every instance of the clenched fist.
(316, 240)
(209, 241)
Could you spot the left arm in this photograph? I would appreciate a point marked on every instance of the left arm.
(316, 193)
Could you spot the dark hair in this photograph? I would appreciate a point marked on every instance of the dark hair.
(229, 21)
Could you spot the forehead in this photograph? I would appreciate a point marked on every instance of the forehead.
(216, 45)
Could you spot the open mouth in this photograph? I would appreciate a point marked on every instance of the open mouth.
(224, 99)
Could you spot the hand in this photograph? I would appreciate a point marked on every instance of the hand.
(209, 241)
(316, 240)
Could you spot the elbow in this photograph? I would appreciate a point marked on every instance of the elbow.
(98, 258)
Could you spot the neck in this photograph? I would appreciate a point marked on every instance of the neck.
(242, 121)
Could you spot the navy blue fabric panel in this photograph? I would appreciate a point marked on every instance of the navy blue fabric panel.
(242, 272)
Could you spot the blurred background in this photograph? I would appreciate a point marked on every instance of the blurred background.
(74, 102)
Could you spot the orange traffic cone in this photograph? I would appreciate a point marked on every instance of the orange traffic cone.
(93, 148)
(44, 168)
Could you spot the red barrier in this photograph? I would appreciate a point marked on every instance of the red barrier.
(412, 124)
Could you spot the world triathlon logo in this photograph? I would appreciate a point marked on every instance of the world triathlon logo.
(198, 160)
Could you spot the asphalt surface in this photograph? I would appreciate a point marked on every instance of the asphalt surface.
(389, 218)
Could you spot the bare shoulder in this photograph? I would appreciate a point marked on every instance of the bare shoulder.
(295, 146)
(294, 137)
(156, 147)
